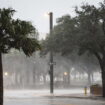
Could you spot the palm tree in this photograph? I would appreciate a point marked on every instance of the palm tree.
(17, 34)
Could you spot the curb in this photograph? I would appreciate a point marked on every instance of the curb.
(80, 97)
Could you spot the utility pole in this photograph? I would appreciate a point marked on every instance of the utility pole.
(51, 55)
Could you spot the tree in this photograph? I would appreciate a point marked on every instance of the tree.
(85, 33)
(92, 38)
(15, 34)
(63, 35)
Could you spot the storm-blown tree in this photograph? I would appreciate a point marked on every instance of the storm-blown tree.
(62, 39)
(92, 38)
(85, 33)
(17, 34)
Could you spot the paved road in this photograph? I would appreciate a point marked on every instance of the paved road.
(51, 101)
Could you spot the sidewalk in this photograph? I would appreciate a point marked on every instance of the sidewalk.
(79, 96)
(45, 93)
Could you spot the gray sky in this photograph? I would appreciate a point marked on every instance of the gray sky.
(34, 10)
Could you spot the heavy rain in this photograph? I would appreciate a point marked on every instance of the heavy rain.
(57, 59)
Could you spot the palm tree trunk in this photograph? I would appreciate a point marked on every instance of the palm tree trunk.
(103, 82)
(1, 80)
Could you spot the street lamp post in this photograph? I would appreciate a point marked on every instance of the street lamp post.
(51, 55)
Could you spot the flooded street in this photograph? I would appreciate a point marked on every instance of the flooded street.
(52, 101)
(43, 97)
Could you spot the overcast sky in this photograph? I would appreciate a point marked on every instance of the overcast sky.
(34, 10)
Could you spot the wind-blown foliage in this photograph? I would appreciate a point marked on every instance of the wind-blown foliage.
(63, 35)
(83, 33)
(15, 33)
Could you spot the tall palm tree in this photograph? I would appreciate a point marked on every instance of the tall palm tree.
(17, 34)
